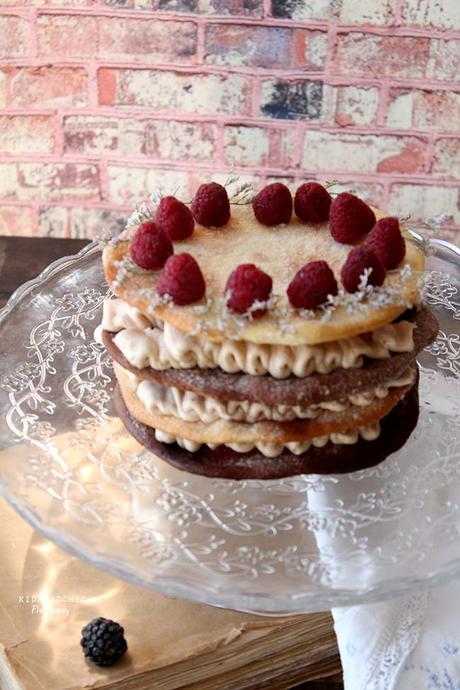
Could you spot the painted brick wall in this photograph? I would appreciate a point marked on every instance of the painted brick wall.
(103, 101)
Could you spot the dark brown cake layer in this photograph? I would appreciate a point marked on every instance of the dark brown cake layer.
(224, 462)
(309, 390)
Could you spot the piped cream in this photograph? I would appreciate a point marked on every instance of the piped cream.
(147, 343)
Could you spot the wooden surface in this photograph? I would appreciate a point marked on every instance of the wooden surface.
(22, 258)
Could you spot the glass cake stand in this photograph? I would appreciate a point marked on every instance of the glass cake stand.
(287, 546)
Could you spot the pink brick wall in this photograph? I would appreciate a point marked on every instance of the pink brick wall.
(103, 101)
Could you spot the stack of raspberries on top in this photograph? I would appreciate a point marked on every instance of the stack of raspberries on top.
(268, 339)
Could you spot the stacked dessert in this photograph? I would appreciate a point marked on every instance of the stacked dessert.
(266, 339)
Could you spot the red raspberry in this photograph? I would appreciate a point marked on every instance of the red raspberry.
(350, 218)
(273, 204)
(150, 246)
(311, 285)
(248, 284)
(387, 242)
(182, 280)
(357, 261)
(211, 206)
(175, 218)
(312, 203)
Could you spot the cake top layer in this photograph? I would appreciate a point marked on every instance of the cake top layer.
(279, 251)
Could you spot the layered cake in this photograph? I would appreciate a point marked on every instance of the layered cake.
(266, 337)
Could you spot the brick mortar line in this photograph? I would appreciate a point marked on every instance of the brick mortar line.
(330, 50)
(181, 17)
(430, 156)
(33, 31)
(124, 113)
(58, 130)
(256, 98)
(104, 180)
(260, 123)
(291, 74)
(21, 11)
(383, 104)
(71, 204)
(231, 120)
(299, 144)
(399, 31)
(269, 21)
(399, 6)
(178, 166)
(7, 91)
(342, 176)
(422, 84)
(93, 83)
(200, 43)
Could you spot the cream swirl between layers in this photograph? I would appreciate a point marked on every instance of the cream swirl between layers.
(160, 346)
(272, 450)
(192, 407)
(117, 315)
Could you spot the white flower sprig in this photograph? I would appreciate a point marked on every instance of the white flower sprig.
(368, 297)
(106, 239)
(331, 183)
(142, 213)
(433, 225)
(242, 194)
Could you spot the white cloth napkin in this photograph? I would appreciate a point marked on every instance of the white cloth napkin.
(407, 643)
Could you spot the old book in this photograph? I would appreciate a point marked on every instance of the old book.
(47, 596)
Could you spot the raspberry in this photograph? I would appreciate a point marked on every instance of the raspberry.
(150, 246)
(182, 280)
(350, 218)
(387, 242)
(358, 260)
(273, 204)
(211, 206)
(312, 203)
(175, 218)
(246, 285)
(311, 285)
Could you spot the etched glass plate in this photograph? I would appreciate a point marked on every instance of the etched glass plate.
(293, 545)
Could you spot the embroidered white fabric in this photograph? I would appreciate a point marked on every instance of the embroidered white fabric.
(408, 643)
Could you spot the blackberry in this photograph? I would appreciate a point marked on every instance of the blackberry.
(103, 641)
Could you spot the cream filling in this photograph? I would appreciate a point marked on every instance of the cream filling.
(151, 343)
(117, 315)
(191, 407)
(272, 450)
